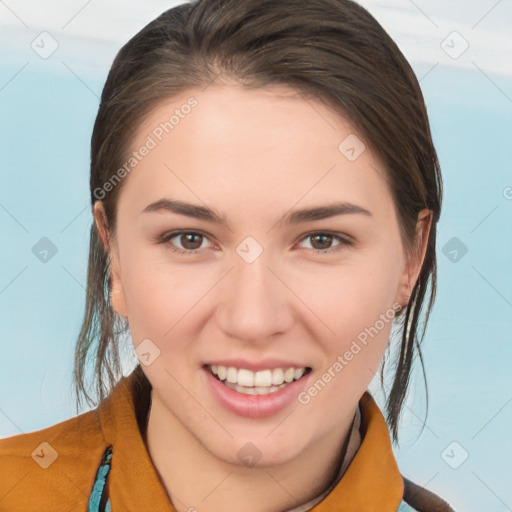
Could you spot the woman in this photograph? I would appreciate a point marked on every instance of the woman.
(265, 194)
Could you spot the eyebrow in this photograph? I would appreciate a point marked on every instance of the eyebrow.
(292, 217)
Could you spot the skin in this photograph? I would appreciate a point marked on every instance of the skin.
(253, 156)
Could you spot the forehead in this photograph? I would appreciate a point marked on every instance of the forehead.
(227, 143)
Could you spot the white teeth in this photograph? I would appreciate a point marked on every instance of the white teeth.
(245, 377)
(289, 374)
(299, 372)
(278, 376)
(254, 390)
(221, 372)
(255, 383)
(263, 378)
(231, 375)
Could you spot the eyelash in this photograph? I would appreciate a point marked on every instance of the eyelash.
(344, 242)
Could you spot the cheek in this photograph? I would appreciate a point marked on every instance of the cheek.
(357, 309)
(353, 358)
(160, 298)
(348, 299)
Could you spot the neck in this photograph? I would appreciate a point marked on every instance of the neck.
(195, 479)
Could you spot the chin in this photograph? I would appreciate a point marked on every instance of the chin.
(256, 451)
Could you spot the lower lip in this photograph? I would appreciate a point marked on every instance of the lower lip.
(255, 406)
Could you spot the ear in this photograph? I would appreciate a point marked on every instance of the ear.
(110, 246)
(415, 258)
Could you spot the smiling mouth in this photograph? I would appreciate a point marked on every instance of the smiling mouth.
(262, 382)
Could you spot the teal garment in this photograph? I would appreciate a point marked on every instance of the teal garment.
(99, 488)
(404, 507)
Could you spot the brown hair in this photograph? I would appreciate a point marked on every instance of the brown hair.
(330, 50)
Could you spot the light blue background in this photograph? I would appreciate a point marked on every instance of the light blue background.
(48, 108)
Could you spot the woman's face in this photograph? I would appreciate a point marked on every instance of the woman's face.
(268, 277)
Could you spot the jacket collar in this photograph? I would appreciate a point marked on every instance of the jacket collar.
(372, 481)
(133, 482)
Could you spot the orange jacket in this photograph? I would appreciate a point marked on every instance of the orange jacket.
(54, 469)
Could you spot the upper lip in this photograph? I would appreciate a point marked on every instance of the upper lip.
(255, 366)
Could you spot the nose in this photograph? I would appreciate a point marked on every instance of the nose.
(255, 303)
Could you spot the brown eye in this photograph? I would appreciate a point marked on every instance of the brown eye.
(321, 241)
(184, 242)
(191, 241)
